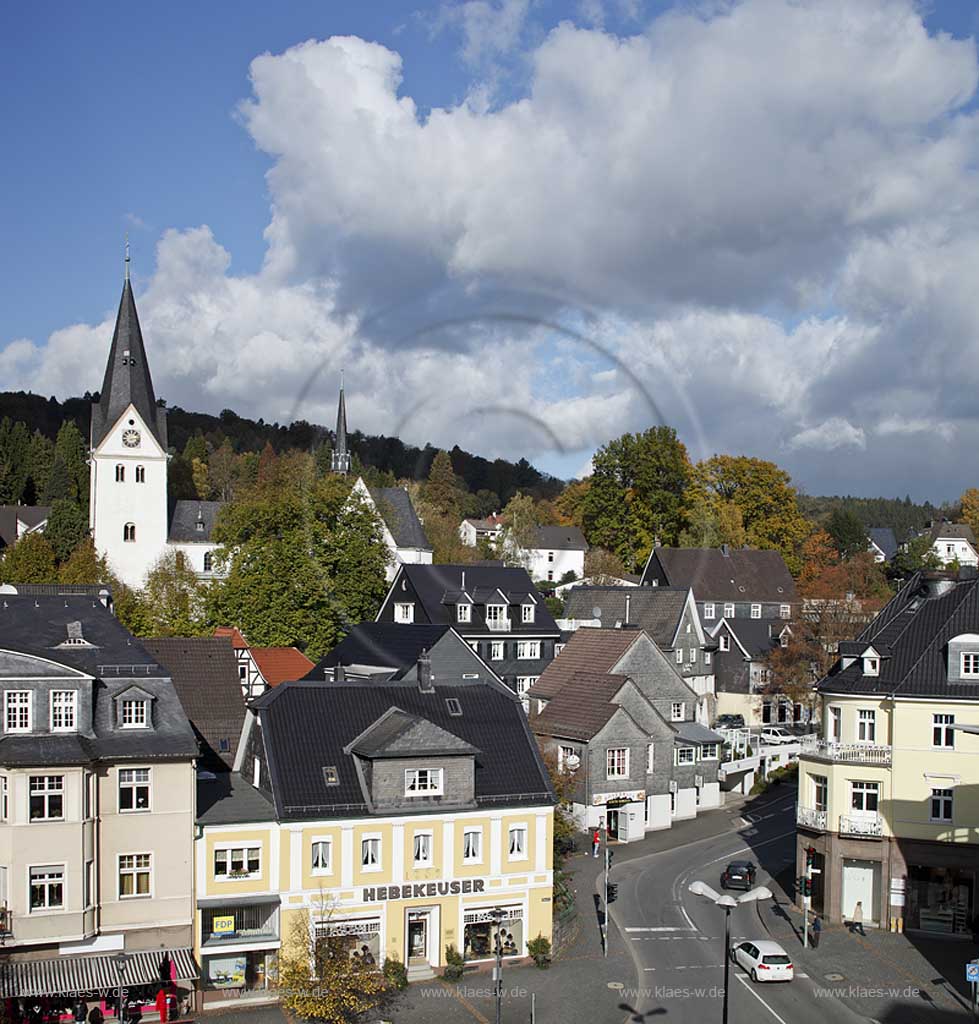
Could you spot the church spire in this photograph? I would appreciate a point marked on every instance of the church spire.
(127, 378)
(340, 462)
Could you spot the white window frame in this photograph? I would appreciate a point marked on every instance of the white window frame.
(724, 643)
(138, 719)
(865, 788)
(945, 799)
(496, 650)
(67, 710)
(871, 666)
(678, 710)
(88, 884)
(820, 785)
(54, 785)
(477, 856)
(613, 768)
(321, 843)
(692, 655)
(942, 733)
(692, 759)
(756, 611)
(710, 611)
(522, 852)
(496, 613)
(650, 758)
(524, 683)
(464, 612)
(129, 781)
(428, 847)
(13, 702)
(709, 752)
(835, 723)
(970, 659)
(785, 611)
(526, 613)
(135, 871)
(434, 782)
(404, 612)
(4, 798)
(49, 870)
(528, 650)
(371, 841)
(728, 611)
(707, 657)
(866, 725)
(229, 849)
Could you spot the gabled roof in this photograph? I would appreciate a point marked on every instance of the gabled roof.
(307, 726)
(279, 664)
(237, 638)
(205, 676)
(756, 637)
(380, 644)
(561, 538)
(657, 610)
(581, 707)
(127, 378)
(592, 651)
(394, 506)
(952, 531)
(914, 628)
(398, 734)
(184, 517)
(32, 516)
(884, 539)
(732, 574)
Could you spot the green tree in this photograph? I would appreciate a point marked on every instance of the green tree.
(71, 447)
(84, 566)
(30, 560)
(917, 554)
(58, 486)
(174, 598)
(637, 493)
(520, 524)
(67, 526)
(712, 521)
(570, 503)
(40, 461)
(848, 533)
(15, 444)
(444, 490)
(222, 466)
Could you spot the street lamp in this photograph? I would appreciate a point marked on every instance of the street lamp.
(497, 915)
(728, 903)
(121, 962)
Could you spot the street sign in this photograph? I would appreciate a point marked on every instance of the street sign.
(972, 972)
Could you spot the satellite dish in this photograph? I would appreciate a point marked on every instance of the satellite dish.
(596, 612)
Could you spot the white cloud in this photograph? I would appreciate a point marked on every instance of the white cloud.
(898, 425)
(828, 436)
(489, 28)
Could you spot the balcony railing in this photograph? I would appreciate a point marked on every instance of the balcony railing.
(851, 753)
(809, 818)
(862, 825)
(498, 625)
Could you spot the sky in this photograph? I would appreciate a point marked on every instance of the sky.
(520, 226)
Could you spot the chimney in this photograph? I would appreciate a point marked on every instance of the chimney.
(627, 602)
(463, 587)
(425, 684)
(339, 673)
(937, 582)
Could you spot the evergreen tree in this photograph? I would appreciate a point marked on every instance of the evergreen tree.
(58, 486)
(67, 526)
(847, 531)
(70, 445)
(443, 491)
(14, 461)
(39, 463)
(30, 560)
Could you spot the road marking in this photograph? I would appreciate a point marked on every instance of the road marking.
(748, 986)
(750, 832)
(687, 918)
(663, 928)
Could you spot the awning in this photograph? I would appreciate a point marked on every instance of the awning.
(65, 975)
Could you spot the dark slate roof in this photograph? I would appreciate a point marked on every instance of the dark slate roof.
(432, 582)
(589, 650)
(307, 726)
(398, 734)
(914, 629)
(657, 610)
(127, 378)
(694, 732)
(205, 675)
(581, 708)
(561, 538)
(958, 531)
(184, 516)
(756, 636)
(883, 537)
(381, 644)
(739, 575)
(227, 799)
(10, 515)
(341, 431)
(395, 508)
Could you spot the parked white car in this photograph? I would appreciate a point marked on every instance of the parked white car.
(764, 960)
(776, 734)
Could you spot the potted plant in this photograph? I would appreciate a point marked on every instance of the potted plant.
(540, 950)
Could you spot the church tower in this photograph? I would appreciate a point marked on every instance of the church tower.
(128, 478)
(341, 457)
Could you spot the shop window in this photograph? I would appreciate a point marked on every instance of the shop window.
(134, 789)
(481, 934)
(239, 923)
(352, 937)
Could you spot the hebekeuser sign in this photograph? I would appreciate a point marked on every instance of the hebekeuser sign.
(423, 890)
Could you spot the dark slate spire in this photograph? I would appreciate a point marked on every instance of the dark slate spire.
(341, 457)
(127, 375)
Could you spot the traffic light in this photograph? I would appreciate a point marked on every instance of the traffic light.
(807, 887)
(611, 892)
(810, 856)
(609, 854)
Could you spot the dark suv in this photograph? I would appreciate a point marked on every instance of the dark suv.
(739, 874)
(729, 722)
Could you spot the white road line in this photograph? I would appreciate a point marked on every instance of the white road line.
(749, 987)
(663, 928)
(687, 918)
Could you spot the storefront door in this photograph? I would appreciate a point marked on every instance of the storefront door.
(612, 817)
(860, 885)
(419, 922)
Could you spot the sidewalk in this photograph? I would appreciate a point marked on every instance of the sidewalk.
(882, 975)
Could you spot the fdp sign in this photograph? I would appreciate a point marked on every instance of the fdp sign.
(224, 925)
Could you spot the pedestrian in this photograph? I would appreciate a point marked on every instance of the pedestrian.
(79, 1010)
(95, 1015)
(596, 842)
(161, 1004)
(817, 928)
(858, 918)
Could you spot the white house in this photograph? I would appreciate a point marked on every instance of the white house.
(954, 542)
(402, 530)
(559, 550)
(472, 531)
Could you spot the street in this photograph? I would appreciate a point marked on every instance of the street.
(677, 939)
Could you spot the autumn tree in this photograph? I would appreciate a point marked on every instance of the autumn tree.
(444, 491)
(29, 560)
(969, 504)
(570, 503)
(711, 521)
(84, 566)
(602, 566)
(520, 524)
(817, 554)
(174, 598)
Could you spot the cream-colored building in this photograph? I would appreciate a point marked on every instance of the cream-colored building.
(398, 815)
(888, 799)
(97, 791)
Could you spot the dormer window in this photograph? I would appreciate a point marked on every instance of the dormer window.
(871, 666)
(199, 526)
(133, 714)
(464, 612)
(496, 616)
(729, 611)
(526, 613)
(63, 710)
(970, 664)
(423, 782)
(17, 710)
(756, 611)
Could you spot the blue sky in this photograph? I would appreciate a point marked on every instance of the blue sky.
(426, 252)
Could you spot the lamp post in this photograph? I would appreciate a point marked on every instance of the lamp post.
(121, 962)
(497, 915)
(728, 903)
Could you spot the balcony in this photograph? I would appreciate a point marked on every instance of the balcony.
(498, 625)
(848, 753)
(808, 818)
(867, 826)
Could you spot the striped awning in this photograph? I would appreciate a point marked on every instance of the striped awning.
(68, 975)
